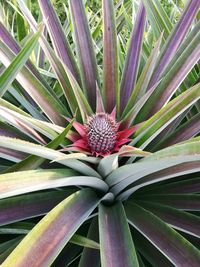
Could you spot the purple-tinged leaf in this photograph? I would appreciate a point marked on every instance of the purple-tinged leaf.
(154, 125)
(132, 59)
(156, 144)
(7, 130)
(180, 187)
(170, 243)
(131, 115)
(139, 180)
(186, 42)
(10, 117)
(111, 91)
(168, 173)
(57, 35)
(187, 202)
(168, 160)
(32, 162)
(149, 252)
(99, 100)
(57, 65)
(30, 181)
(176, 76)
(68, 160)
(11, 155)
(184, 132)
(178, 219)
(7, 38)
(116, 244)
(45, 241)
(30, 205)
(176, 37)
(85, 50)
(143, 81)
(41, 54)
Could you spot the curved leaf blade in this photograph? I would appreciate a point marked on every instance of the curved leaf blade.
(175, 247)
(178, 219)
(153, 126)
(32, 162)
(47, 153)
(28, 206)
(42, 245)
(190, 202)
(184, 132)
(12, 184)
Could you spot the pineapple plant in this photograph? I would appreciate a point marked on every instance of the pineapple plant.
(99, 142)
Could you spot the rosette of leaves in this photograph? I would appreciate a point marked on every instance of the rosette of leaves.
(100, 162)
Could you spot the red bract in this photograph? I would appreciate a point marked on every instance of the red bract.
(100, 135)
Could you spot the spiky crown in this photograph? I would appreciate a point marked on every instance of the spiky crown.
(101, 131)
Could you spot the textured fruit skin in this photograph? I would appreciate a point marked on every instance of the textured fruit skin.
(101, 131)
(100, 135)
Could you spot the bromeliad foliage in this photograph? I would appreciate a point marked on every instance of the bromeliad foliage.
(130, 195)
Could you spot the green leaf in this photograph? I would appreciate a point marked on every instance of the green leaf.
(8, 248)
(158, 17)
(110, 162)
(47, 100)
(81, 99)
(21, 29)
(47, 153)
(12, 70)
(84, 242)
(12, 184)
(161, 160)
(153, 126)
(32, 162)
